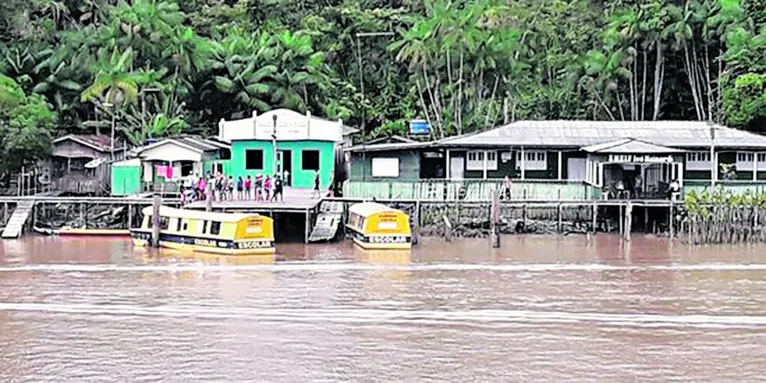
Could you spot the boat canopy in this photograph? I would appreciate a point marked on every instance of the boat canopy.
(201, 215)
(366, 209)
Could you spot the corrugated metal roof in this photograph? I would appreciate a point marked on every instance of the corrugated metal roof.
(392, 146)
(584, 133)
(630, 146)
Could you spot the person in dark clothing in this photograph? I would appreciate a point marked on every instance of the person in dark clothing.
(316, 186)
(278, 189)
(240, 188)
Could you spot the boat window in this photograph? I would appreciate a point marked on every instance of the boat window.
(179, 221)
(215, 228)
(186, 226)
(201, 227)
(164, 223)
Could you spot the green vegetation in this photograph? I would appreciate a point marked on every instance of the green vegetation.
(161, 67)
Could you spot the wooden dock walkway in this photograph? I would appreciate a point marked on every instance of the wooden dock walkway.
(295, 201)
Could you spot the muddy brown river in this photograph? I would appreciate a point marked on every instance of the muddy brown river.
(538, 309)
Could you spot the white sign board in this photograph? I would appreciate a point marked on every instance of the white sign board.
(290, 126)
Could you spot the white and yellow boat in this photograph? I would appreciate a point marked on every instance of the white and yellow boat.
(208, 232)
(376, 226)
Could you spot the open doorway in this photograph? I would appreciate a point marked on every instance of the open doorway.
(640, 180)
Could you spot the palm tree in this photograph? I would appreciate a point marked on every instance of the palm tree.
(114, 82)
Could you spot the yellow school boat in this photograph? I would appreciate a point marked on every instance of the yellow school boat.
(208, 232)
(376, 226)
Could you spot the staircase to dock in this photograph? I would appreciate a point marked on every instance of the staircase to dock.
(19, 217)
(328, 221)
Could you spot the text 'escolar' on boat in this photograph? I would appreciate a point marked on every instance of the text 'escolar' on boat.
(208, 232)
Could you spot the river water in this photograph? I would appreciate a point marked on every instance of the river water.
(538, 309)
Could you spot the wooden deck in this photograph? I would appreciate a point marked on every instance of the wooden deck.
(295, 201)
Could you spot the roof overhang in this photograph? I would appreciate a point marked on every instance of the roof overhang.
(629, 146)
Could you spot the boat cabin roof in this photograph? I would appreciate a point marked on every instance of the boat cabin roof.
(201, 215)
(366, 209)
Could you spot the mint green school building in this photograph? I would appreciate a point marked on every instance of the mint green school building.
(304, 145)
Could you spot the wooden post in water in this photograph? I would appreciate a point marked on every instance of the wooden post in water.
(628, 221)
(670, 219)
(494, 234)
(559, 225)
(646, 218)
(447, 229)
(156, 220)
(416, 221)
(209, 198)
(130, 216)
(82, 212)
(594, 218)
(622, 222)
(5, 212)
(307, 232)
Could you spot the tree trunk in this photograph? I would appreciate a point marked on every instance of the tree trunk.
(619, 104)
(494, 91)
(423, 102)
(659, 76)
(690, 76)
(643, 90)
(460, 97)
(433, 100)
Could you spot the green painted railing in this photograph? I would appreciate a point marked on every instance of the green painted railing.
(467, 190)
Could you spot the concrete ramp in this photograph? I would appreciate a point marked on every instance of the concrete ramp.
(18, 219)
(328, 221)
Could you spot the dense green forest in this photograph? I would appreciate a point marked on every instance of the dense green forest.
(161, 67)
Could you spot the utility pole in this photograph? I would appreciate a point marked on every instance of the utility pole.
(274, 142)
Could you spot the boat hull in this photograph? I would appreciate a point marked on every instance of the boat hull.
(382, 246)
(141, 238)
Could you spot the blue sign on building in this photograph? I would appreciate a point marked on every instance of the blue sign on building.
(419, 127)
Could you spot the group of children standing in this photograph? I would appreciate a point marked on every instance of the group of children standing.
(224, 188)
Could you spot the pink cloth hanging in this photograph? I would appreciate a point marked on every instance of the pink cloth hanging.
(169, 170)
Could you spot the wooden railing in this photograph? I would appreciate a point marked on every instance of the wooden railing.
(469, 190)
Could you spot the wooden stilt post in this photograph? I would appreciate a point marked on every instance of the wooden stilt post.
(209, 198)
(416, 221)
(646, 218)
(83, 216)
(5, 212)
(670, 220)
(494, 234)
(156, 203)
(628, 221)
(622, 217)
(447, 229)
(594, 218)
(307, 232)
(130, 216)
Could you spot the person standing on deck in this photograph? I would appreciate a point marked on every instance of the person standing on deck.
(267, 188)
(258, 187)
(316, 185)
(230, 188)
(277, 189)
(240, 188)
(248, 186)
